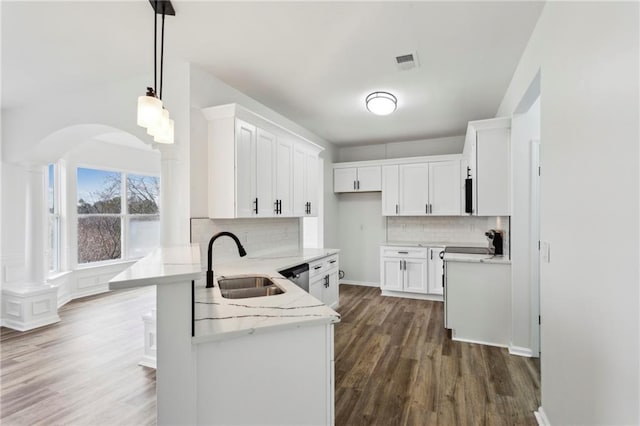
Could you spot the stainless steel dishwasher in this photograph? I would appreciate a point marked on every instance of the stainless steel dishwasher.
(299, 275)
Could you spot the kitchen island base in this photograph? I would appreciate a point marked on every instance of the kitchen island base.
(283, 377)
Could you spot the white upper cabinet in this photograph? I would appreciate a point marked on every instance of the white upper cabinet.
(357, 179)
(444, 188)
(305, 182)
(264, 163)
(283, 186)
(390, 188)
(419, 189)
(311, 179)
(487, 153)
(246, 168)
(414, 189)
(253, 164)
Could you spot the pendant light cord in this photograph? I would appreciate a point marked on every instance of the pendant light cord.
(155, 50)
(162, 52)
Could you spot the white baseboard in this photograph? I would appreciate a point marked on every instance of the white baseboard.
(520, 351)
(478, 342)
(360, 283)
(148, 361)
(541, 417)
(26, 326)
(417, 296)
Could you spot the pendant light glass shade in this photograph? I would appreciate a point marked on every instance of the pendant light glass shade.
(149, 109)
(381, 103)
(155, 129)
(165, 130)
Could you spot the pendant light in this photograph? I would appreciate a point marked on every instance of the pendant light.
(152, 114)
(381, 103)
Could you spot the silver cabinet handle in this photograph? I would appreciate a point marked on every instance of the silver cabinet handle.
(405, 265)
(354, 185)
(426, 209)
(403, 252)
(430, 208)
(396, 209)
(317, 267)
(333, 261)
(358, 185)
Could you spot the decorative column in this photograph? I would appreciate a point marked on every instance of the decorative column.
(31, 302)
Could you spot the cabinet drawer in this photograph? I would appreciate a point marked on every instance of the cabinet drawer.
(323, 265)
(403, 252)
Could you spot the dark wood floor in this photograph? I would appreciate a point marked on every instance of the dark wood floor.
(394, 365)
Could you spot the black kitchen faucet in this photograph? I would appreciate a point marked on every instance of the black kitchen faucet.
(241, 251)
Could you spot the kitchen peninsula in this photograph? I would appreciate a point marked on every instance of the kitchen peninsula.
(266, 360)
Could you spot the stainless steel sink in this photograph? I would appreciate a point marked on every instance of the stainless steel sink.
(248, 286)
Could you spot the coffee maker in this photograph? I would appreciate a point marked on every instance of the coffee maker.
(495, 241)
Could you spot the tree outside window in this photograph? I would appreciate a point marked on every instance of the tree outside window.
(109, 229)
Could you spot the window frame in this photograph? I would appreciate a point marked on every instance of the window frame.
(124, 216)
(53, 252)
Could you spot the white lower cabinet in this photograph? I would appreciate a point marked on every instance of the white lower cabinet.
(436, 271)
(323, 280)
(408, 270)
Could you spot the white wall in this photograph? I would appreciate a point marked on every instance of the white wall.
(362, 230)
(588, 56)
(524, 128)
(206, 91)
(417, 148)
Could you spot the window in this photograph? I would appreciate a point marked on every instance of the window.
(53, 216)
(109, 229)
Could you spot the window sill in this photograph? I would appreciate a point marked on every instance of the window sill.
(95, 265)
(57, 275)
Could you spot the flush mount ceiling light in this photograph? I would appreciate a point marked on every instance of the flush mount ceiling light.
(151, 113)
(381, 103)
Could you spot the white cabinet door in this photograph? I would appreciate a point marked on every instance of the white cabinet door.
(492, 172)
(414, 189)
(344, 180)
(330, 297)
(299, 182)
(283, 184)
(444, 188)
(390, 186)
(316, 287)
(245, 134)
(415, 275)
(391, 274)
(369, 179)
(435, 270)
(312, 178)
(263, 203)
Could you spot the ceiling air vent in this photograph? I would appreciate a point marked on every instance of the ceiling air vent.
(407, 62)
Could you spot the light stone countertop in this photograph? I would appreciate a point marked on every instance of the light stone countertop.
(163, 265)
(217, 318)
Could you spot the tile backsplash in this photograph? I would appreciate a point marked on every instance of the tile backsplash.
(450, 229)
(258, 236)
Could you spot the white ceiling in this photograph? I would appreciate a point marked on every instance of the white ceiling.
(313, 62)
